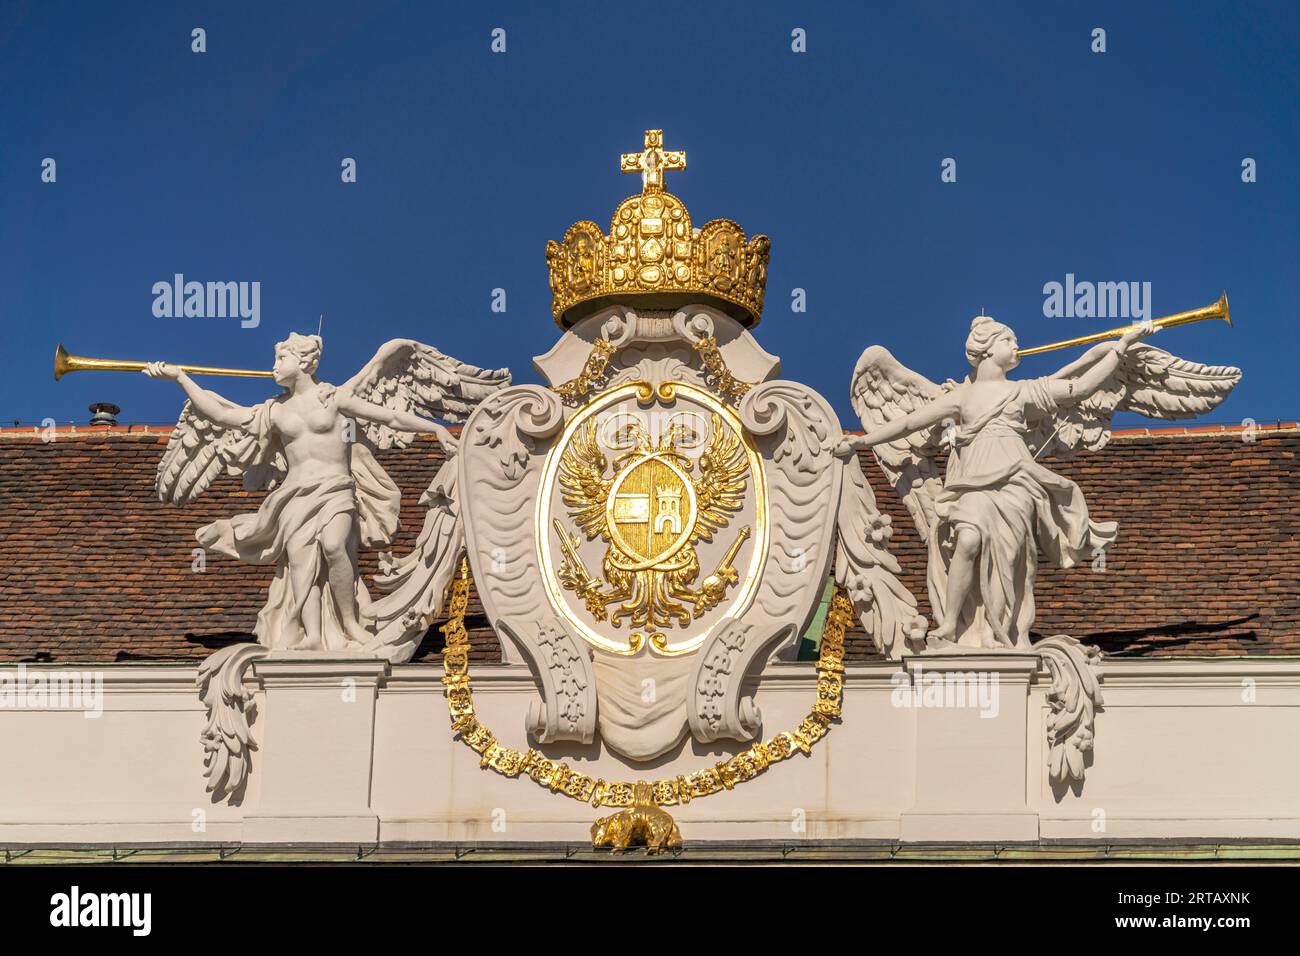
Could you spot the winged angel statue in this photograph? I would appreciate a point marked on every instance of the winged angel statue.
(997, 508)
(313, 447)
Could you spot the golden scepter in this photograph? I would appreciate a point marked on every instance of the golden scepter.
(65, 363)
(1219, 310)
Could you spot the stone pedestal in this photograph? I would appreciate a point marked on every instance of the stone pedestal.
(972, 735)
(316, 749)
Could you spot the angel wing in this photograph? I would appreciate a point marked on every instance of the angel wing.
(1147, 380)
(410, 376)
(721, 489)
(200, 451)
(884, 389)
(583, 483)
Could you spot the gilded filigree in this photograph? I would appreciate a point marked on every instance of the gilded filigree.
(653, 250)
(652, 510)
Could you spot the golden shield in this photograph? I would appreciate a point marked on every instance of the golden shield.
(650, 513)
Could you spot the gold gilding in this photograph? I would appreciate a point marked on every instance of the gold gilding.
(652, 252)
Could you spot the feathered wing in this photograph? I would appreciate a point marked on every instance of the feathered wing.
(200, 451)
(1147, 380)
(583, 483)
(410, 376)
(720, 492)
(884, 389)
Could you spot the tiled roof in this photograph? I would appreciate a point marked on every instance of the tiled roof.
(94, 568)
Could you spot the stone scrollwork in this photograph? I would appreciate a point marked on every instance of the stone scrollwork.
(796, 433)
(720, 710)
(227, 739)
(506, 437)
(510, 424)
(1074, 697)
(567, 706)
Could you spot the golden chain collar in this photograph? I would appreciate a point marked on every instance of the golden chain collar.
(560, 778)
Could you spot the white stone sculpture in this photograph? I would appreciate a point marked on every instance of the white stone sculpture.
(312, 446)
(997, 508)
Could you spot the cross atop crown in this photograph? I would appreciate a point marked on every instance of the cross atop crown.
(653, 161)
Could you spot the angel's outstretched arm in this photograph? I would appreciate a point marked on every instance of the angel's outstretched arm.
(1087, 359)
(932, 413)
(1066, 391)
(208, 404)
(350, 404)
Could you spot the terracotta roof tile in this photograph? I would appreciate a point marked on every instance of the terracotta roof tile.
(94, 568)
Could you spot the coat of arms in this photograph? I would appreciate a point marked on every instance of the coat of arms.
(654, 488)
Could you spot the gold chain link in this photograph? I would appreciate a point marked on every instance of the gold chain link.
(597, 365)
(560, 778)
(715, 365)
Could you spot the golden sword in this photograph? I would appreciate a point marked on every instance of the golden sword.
(588, 583)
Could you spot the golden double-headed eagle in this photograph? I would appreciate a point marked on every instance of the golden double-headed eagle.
(653, 510)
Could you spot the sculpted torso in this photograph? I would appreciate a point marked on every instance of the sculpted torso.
(974, 400)
(309, 431)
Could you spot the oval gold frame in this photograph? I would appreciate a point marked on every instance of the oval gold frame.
(646, 395)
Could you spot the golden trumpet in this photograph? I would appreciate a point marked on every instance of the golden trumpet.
(1219, 310)
(65, 363)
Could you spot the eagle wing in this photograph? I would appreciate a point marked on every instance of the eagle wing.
(720, 490)
(583, 483)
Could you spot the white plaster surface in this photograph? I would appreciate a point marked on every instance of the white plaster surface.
(1182, 751)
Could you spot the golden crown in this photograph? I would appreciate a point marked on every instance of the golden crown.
(652, 252)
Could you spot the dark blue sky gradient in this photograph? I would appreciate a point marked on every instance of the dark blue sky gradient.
(225, 166)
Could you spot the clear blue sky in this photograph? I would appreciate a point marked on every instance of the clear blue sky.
(225, 166)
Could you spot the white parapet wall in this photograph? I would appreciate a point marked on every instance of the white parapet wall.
(1190, 750)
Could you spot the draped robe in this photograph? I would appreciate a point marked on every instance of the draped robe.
(1019, 508)
(285, 532)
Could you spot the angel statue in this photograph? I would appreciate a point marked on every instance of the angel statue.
(313, 446)
(997, 507)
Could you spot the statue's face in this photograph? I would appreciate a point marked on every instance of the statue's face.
(287, 367)
(1003, 351)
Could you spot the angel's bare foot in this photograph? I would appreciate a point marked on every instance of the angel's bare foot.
(356, 634)
(944, 632)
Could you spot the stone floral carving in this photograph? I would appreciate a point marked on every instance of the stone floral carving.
(1074, 697)
(227, 739)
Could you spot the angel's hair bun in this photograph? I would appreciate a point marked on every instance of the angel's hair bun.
(984, 331)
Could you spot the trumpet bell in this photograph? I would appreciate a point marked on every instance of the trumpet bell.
(60, 362)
